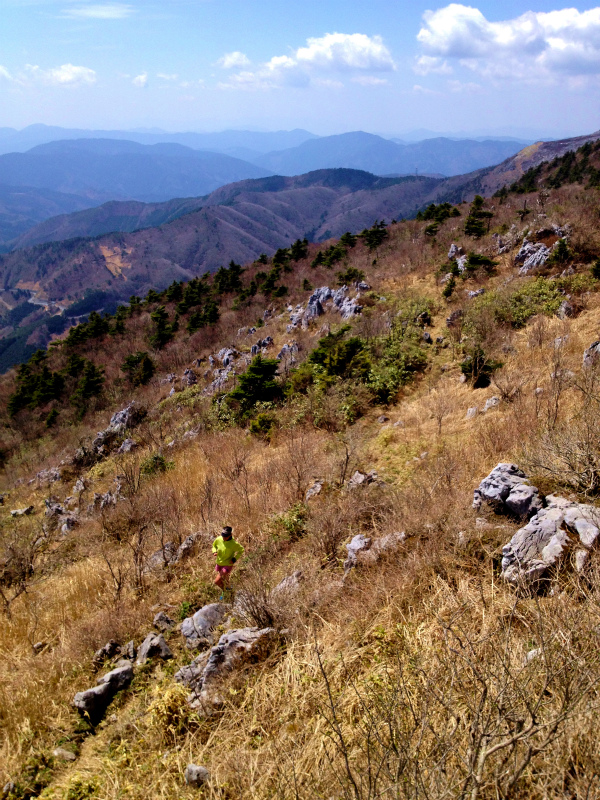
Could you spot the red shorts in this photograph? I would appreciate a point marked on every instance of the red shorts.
(223, 570)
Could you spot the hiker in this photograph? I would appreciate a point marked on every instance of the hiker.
(227, 551)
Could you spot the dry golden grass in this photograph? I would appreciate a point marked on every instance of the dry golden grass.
(398, 668)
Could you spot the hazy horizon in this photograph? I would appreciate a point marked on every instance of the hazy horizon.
(329, 68)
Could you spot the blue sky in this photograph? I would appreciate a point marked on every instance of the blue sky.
(327, 66)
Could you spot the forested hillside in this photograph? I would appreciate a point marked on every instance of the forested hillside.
(401, 426)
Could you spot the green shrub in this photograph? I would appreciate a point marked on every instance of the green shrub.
(351, 275)
(155, 464)
(595, 269)
(478, 367)
(263, 425)
(291, 524)
(258, 384)
(449, 287)
(139, 368)
(82, 789)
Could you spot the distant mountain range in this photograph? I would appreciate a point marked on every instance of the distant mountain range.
(256, 142)
(99, 170)
(188, 237)
(110, 169)
(365, 151)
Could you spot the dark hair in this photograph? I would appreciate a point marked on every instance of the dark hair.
(227, 529)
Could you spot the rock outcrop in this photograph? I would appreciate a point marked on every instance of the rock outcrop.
(94, 702)
(153, 646)
(508, 491)
(206, 674)
(366, 552)
(198, 629)
(531, 256)
(548, 536)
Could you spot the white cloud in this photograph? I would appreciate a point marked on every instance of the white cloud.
(424, 65)
(166, 76)
(343, 51)
(333, 53)
(66, 75)
(370, 80)
(140, 80)
(234, 60)
(4, 73)
(533, 46)
(100, 11)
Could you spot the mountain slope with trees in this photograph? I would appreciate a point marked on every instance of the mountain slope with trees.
(370, 644)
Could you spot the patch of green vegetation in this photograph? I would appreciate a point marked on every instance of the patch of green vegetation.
(478, 221)
(291, 524)
(515, 306)
(155, 464)
(438, 213)
(139, 368)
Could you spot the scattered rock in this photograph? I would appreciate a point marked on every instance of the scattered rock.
(565, 310)
(47, 476)
(162, 558)
(196, 776)
(531, 256)
(8, 789)
(313, 490)
(189, 378)
(94, 702)
(110, 650)
(476, 293)
(472, 412)
(363, 479)
(591, 354)
(357, 545)
(508, 491)
(288, 351)
(198, 628)
(382, 419)
(234, 649)
(154, 645)
(39, 646)
(288, 586)
(455, 318)
(427, 337)
(455, 251)
(127, 447)
(163, 622)
(187, 547)
(547, 537)
(22, 512)
(399, 424)
(64, 755)
(491, 402)
(128, 651)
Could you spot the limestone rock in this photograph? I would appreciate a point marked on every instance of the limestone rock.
(313, 490)
(163, 622)
(363, 479)
(110, 649)
(234, 649)
(491, 402)
(471, 412)
(591, 354)
(64, 755)
(288, 586)
(127, 447)
(358, 544)
(196, 776)
(94, 702)
(154, 645)
(508, 491)
(548, 535)
(22, 512)
(198, 628)
(531, 256)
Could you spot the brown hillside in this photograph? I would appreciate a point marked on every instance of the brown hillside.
(419, 671)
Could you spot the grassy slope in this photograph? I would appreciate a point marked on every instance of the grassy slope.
(411, 642)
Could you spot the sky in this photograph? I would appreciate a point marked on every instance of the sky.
(328, 66)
